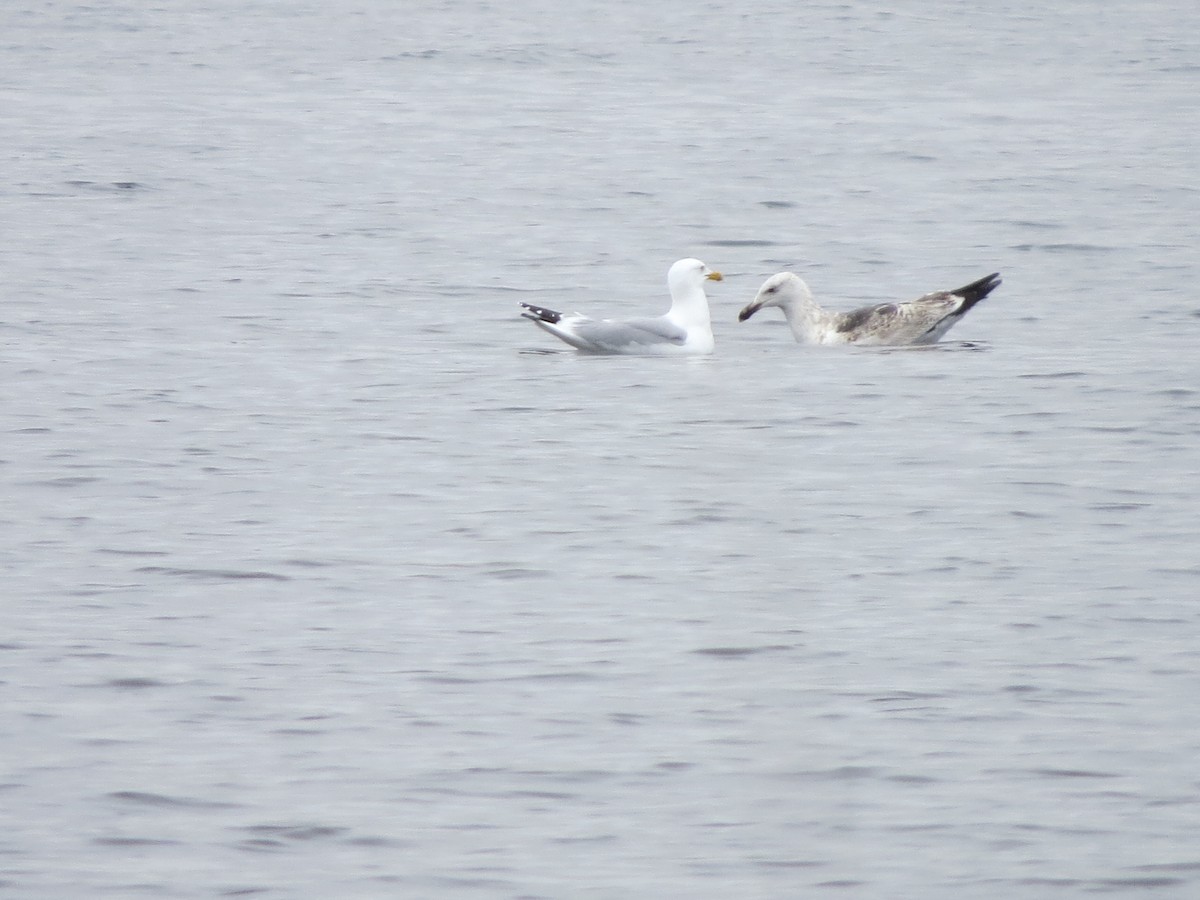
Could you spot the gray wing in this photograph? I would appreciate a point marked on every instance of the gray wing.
(624, 334)
(900, 323)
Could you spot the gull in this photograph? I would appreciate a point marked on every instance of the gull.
(685, 329)
(920, 321)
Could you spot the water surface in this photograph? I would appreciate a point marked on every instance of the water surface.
(323, 578)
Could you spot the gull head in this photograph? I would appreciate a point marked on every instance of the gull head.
(780, 290)
(690, 273)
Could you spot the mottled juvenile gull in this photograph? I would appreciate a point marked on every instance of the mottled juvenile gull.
(685, 329)
(920, 321)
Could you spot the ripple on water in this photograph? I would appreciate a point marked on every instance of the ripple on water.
(214, 574)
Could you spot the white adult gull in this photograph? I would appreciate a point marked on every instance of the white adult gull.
(920, 321)
(685, 329)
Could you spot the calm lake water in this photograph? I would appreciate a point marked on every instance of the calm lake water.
(326, 575)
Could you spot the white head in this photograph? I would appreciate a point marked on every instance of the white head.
(783, 290)
(688, 274)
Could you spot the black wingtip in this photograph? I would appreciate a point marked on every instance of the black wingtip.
(541, 314)
(975, 291)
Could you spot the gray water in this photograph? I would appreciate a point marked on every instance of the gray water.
(326, 575)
